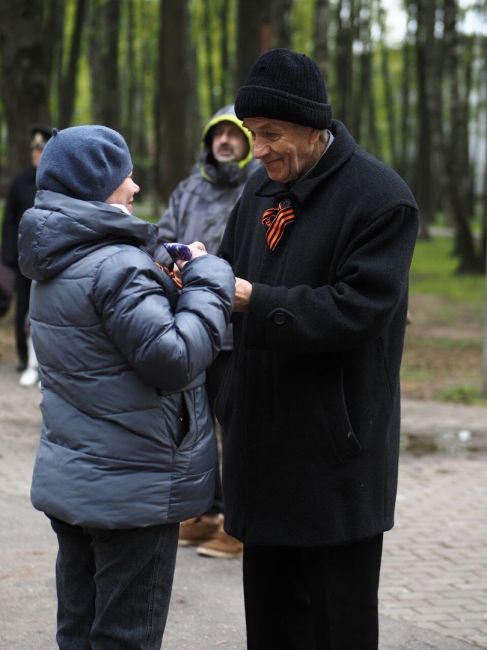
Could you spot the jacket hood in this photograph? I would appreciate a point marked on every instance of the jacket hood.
(225, 114)
(60, 230)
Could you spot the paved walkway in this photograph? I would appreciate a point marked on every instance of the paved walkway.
(434, 578)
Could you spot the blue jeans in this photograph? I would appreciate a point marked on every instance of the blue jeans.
(113, 586)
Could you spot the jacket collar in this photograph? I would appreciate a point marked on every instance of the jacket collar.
(337, 155)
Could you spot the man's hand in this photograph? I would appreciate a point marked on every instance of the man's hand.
(243, 291)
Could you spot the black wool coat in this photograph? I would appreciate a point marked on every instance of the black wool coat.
(311, 406)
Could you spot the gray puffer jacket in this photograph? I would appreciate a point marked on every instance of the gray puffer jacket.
(126, 437)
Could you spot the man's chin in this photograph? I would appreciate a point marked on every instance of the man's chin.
(274, 174)
(225, 159)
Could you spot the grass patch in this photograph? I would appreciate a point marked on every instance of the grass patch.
(444, 343)
(433, 271)
(443, 347)
(462, 395)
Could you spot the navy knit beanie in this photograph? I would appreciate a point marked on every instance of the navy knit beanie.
(86, 162)
(285, 85)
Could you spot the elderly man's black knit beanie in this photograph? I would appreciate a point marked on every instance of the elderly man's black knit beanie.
(285, 85)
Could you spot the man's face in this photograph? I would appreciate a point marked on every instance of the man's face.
(36, 153)
(124, 194)
(36, 147)
(228, 142)
(286, 150)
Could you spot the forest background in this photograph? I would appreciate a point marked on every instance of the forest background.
(408, 78)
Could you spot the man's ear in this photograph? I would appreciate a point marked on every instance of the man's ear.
(314, 136)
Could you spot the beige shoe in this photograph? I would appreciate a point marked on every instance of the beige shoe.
(222, 546)
(198, 530)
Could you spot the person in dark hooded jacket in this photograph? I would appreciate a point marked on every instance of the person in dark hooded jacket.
(199, 208)
(20, 197)
(200, 205)
(127, 448)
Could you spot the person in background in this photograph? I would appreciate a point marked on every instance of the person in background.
(321, 244)
(198, 209)
(20, 197)
(127, 447)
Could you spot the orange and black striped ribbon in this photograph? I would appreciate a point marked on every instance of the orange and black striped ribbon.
(276, 220)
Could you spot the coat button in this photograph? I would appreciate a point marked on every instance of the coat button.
(279, 318)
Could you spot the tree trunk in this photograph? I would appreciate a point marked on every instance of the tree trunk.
(426, 179)
(129, 76)
(143, 132)
(67, 82)
(321, 30)
(281, 23)
(388, 92)
(456, 156)
(226, 70)
(28, 31)
(364, 119)
(174, 95)
(484, 192)
(406, 163)
(253, 21)
(103, 56)
(344, 60)
(209, 49)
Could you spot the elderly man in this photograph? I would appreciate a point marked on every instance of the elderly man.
(321, 243)
(198, 209)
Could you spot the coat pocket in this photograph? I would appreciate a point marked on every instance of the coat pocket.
(343, 436)
(176, 418)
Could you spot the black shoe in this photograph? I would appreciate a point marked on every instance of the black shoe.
(21, 366)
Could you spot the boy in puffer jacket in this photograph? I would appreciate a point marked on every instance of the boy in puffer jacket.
(127, 449)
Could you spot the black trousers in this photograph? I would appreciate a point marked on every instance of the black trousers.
(22, 290)
(321, 598)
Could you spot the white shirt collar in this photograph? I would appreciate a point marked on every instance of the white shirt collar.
(121, 207)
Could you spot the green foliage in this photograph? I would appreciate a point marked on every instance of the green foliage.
(222, 92)
(302, 20)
